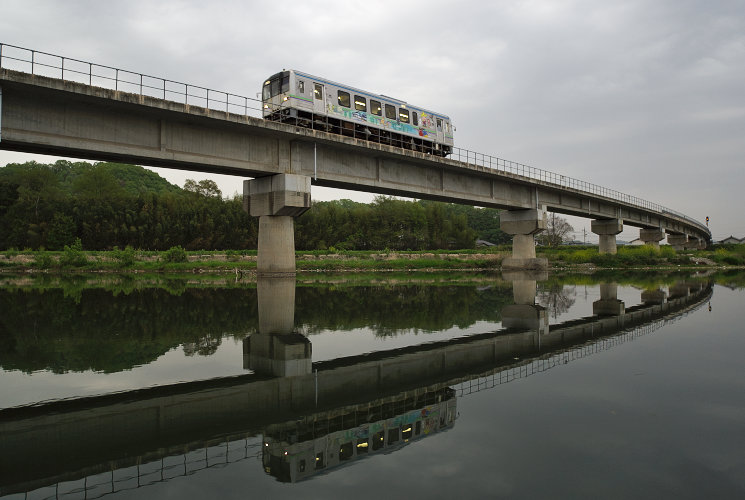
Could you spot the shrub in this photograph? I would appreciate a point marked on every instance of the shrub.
(667, 252)
(73, 256)
(733, 260)
(124, 257)
(175, 254)
(583, 256)
(43, 260)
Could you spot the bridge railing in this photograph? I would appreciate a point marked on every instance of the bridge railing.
(148, 473)
(521, 170)
(74, 70)
(53, 66)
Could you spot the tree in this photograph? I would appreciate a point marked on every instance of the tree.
(557, 231)
(61, 232)
(205, 187)
(98, 184)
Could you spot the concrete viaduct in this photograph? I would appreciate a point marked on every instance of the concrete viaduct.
(39, 114)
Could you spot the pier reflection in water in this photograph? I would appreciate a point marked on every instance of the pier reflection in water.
(301, 417)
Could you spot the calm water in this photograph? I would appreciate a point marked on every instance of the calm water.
(427, 387)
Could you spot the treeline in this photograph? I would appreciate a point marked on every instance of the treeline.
(108, 205)
(396, 225)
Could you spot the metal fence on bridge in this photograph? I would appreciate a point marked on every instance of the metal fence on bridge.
(54, 66)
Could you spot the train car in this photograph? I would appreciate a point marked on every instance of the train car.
(291, 453)
(313, 102)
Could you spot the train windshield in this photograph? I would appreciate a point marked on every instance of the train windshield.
(277, 84)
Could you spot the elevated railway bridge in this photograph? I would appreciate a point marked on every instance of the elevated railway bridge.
(59, 106)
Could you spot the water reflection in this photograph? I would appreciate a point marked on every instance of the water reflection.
(303, 417)
(277, 349)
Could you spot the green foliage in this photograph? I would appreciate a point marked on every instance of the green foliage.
(175, 254)
(126, 257)
(394, 224)
(61, 232)
(43, 260)
(111, 205)
(729, 256)
(205, 187)
(73, 256)
(667, 252)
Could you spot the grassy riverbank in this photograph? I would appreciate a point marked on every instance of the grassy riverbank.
(176, 260)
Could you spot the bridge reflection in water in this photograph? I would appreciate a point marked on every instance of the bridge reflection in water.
(302, 418)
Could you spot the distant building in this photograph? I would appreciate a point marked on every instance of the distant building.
(731, 240)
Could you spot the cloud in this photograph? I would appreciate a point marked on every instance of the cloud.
(636, 94)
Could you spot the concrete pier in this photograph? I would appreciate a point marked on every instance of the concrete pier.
(677, 241)
(652, 237)
(523, 225)
(695, 243)
(607, 229)
(608, 305)
(524, 313)
(276, 349)
(275, 200)
(653, 297)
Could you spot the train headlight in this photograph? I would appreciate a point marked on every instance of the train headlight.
(266, 106)
(285, 98)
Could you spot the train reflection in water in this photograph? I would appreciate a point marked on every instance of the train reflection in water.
(312, 446)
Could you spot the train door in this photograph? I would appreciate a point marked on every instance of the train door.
(440, 131)
(319, 99)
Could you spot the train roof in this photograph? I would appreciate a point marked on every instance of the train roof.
(382, 97)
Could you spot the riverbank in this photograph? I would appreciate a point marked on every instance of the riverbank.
(177, 260)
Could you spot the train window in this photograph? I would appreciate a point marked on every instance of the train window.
(415, 118)
(362, 446)
(377, 441)
(360, 103)
(301, 86)
(318, 91)
(344, 99)
(418, 427)
(375, 107)
(439, 124)
(267, 92)
(390, 111)
(285, 84)
(320, 464)
(275, 87)
(392, 435)
(403, 115)
(345, 452)
(447, 128)
(406, 433)
(301, 466)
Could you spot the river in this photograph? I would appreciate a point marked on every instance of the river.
(423, 385)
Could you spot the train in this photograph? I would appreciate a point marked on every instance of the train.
(304, 100)
(299, 450)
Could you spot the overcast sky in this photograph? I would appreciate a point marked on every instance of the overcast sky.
(646, 97)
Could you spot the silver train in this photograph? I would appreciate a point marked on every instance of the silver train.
(309, 101)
